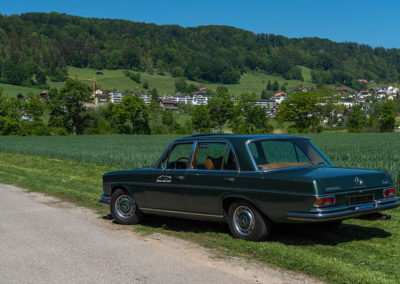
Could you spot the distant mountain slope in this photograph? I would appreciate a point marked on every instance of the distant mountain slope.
(33, 45)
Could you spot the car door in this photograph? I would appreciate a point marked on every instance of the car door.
(166, 190)
(213, 171)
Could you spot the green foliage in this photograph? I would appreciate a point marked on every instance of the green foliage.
(133, 76)
(35, 107)
(49, 42)
(131, 109)
(71, 97)
(387, 120)
(303, 109)
(220, 108)
(355, 119)
(201, 119)
(249, 118)
(181, 85)
(145, 84)
(275, 86)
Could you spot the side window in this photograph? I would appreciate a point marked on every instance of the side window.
(179, 156)
(214, 156)
(301, 156)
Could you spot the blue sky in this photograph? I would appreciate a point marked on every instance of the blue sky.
(371, 22)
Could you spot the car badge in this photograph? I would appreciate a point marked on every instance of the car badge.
(358, 181)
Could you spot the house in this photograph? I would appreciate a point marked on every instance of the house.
(99, 91)
(266, 103)
(304, 89)
(146, 98)
(362, 81)
(199, 100)
(341, 89)
(115, 96)
(43, 94)
(168, 104)
(279, 97)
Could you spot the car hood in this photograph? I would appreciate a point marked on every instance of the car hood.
(334, 179)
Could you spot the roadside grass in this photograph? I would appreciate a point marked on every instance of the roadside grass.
(360, 251)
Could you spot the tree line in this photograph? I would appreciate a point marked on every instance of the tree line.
(36, 45)
(64, 112)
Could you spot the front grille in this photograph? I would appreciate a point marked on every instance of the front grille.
(361, 199)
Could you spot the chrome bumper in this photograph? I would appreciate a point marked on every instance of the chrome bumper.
(105, 199)
(344, 212)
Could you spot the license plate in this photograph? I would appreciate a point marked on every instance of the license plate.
(361, 199)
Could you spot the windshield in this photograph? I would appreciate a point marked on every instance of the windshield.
(277, 154)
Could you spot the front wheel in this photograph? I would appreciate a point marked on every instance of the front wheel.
(124, 209)
(246, 223)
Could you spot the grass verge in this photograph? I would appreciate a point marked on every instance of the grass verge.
(360, 252)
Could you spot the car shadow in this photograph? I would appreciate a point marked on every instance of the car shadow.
(319, 234)
(288, 234)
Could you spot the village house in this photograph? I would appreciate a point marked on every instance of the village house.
(168, 104)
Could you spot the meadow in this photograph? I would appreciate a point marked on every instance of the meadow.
(361, 251)
(165, 84)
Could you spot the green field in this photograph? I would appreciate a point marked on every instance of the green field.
(13, 91)
(360, 251)
(165, 84)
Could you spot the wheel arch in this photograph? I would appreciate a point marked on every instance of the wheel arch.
(122, 187)
(229, 199)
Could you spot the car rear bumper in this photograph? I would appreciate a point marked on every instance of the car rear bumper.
(343, 212)
(105, 199)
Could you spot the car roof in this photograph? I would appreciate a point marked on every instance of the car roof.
(211, 136)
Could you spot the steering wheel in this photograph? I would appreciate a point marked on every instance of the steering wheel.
(181, 158)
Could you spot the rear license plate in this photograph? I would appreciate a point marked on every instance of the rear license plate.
(361, 199)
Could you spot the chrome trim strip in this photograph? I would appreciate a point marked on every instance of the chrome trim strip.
(218, 188)
(363, 190)
(348, 212)
(105, 199)
(163, 211)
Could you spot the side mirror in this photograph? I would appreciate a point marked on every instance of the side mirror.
(163, 166)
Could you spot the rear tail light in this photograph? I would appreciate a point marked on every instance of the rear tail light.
(390, 192)
(324, 201)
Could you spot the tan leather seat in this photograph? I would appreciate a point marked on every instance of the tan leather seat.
(213, 163)
(282, 165)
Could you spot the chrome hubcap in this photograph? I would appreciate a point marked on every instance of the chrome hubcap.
(125, 207)
(243, 221)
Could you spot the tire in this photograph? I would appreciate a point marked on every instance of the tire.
(124, 209)
(246, 223)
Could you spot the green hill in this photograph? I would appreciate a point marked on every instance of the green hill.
(165, 84)
(36, 45)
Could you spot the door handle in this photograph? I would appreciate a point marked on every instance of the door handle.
(179, 177)
(229, 179)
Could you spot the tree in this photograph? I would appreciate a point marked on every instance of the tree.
(330, 105)
(180, 85)
(73, 95)
(134, 110)
(355, 119)
(201, 119)
(303, 109)
(275, 86)
(220, 108)
(269, 86)
(154, 94)
(35, 107)
(387, 119)
(145, 84)
(248, 117)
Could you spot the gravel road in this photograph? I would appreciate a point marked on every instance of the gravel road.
(43, 240)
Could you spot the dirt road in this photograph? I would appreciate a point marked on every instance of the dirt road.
(43, 240)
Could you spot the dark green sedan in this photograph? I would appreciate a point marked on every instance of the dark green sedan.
(248, 181)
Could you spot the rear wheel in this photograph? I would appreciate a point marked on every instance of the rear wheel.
(124, 209)
(246, 223)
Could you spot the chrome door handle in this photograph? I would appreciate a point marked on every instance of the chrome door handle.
(229, 179)
(179, 177)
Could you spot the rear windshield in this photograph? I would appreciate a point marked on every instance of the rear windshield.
(276, 154)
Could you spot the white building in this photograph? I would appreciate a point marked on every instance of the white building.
(115, 97)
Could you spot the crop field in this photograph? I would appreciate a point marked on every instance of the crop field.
(374, 151)
(361, 251)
